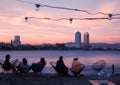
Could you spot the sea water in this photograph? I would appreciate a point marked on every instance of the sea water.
(85, 57)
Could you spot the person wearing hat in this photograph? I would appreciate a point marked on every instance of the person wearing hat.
(76, 66)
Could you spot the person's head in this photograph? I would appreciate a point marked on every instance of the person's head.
(75, 59)
(42, 59)
(60, 58)
(24, 60)
(7, 57)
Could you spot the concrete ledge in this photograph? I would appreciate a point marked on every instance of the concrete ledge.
(50, 79)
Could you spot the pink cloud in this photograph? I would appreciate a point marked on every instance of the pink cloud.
(109, 7)
(58, 31)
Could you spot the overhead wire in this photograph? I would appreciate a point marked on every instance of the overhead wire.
(66, 8)
(109, 17)
(71, 19)
(63, 18)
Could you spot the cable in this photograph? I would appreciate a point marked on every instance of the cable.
(71, 19)
(60, 19)
(72, 9)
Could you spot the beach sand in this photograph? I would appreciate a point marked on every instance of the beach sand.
(52, 79)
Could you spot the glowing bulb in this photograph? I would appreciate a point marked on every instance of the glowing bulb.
(71, 19)
(110, 16)
(26, 19)
(37, 6)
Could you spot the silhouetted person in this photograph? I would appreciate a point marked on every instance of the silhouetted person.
(61, 68)
(7, 65)
(37, 67)
(24, 67)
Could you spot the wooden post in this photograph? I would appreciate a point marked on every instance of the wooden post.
(113, 69)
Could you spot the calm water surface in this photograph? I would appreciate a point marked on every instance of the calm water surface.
(85, 57)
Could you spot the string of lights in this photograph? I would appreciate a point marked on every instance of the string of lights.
(60, 19)
(110, 15)
(71, 19)
(65, 8)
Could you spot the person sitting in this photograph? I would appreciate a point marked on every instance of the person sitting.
(60, 67)
(24, 67)
(37, 67)
(7, 65)
(76, 67)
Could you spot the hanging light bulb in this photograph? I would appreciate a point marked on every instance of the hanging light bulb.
(26, 19)
(110, 16)
(71, 19)
(37, 6)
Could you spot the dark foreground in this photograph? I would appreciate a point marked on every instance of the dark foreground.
(52, 79)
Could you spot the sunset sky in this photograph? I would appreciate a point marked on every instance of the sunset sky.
(36, 31)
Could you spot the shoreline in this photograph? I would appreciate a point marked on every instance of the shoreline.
(63, 50)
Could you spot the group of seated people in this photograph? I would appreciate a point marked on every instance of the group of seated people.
(23, 66)
(62, 70)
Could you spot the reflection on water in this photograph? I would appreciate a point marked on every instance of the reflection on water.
(85, 57)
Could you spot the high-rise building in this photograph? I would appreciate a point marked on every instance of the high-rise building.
(78, 39)
(86, 40)
(17, 40)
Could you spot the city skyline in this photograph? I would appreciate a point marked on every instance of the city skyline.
(44, 31)
(77, 39)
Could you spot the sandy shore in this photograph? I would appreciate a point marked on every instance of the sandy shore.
(51, 79)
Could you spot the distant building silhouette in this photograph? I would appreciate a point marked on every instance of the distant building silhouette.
(86, 40)
(70, 44)
(16, 40)
(78, 39)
